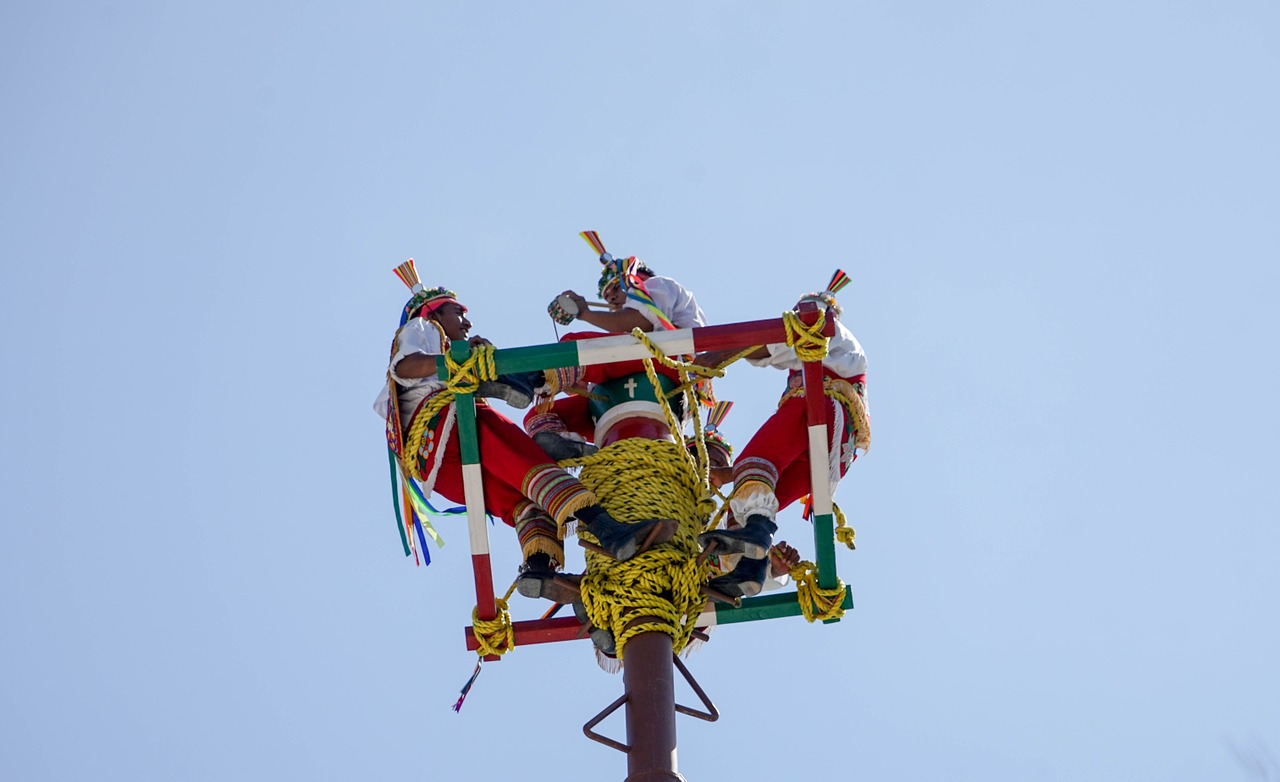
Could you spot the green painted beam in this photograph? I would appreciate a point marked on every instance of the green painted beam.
(529, 359)
(775, 606)
(824, 543)
(468, 444)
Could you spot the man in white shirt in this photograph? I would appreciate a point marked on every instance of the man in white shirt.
(772, 471)
(637, 298)
(521, 486)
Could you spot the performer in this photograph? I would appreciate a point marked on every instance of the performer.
(637, 298)
(772, 471)
(521, 486)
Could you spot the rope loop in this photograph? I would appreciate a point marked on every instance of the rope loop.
(496, 635)
(808, 341)
(466, 377)
(815, 602)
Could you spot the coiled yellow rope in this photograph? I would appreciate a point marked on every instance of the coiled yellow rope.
(496, 635)
(816, 602)
(659, 590)
(464, 378)
(808, 341)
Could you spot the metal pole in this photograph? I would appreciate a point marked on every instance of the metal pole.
(649, 680)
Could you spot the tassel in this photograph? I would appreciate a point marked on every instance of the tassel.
(466, 688)
(592, 238)
(838, 281)
(408, 274)
(608, 663)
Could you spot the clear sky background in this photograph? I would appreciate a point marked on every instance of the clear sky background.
(1061, 223)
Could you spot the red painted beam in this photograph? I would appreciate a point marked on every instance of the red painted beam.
(735, 336)
(537, 631)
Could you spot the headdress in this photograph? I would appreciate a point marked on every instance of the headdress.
(827, 298)
(711, 432)
(429, 299)
(630, 273)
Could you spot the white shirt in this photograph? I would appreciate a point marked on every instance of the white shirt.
(844, 355)
(417, 336)
(675, 301)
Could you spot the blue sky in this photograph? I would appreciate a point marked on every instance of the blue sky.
(1060, 221)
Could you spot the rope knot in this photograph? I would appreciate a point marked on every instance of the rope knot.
(808, 341)
(496, 635)
(816, 602)
(466, 377)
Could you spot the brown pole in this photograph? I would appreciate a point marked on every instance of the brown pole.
(649, 679)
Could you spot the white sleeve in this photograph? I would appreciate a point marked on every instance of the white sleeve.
(780, 356)
(632, 304)
(675, 301)
(844, 355)
(417, 337)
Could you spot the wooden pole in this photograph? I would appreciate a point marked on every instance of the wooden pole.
(649, 681)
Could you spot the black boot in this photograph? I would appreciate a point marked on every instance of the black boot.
(746, 578)
(559, 448)
(602, 638)
(752, 541)
(622, 541)
(539, 578)
(515, 389)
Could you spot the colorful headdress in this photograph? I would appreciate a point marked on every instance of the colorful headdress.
(827, 298)
(711, 432)
(430, 299)
(630, 273)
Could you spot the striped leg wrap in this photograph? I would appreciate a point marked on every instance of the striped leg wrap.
(562, 379)
(557, 491)
(545, 422)
(539, 534)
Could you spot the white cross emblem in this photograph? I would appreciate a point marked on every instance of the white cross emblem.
(631, 387)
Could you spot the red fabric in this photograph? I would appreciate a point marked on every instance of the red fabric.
(783, 441)
(509, 456)
(599, 373)
(574, 411)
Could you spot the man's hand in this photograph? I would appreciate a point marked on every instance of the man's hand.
(719, 476)
(782, 558)
(477, 341)
(578, 302)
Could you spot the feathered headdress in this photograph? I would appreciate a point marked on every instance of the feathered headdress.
(428, 298)
(827, 298)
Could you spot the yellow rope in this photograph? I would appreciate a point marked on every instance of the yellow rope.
(496, 635)
(659, 590)
(464, 378)
(816, 602)
(718, 368)
(808, 341)
(844, 533)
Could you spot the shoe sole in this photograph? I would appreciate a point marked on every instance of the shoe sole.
(728, 544)
(738, 589)
(662, 531)
(548, 588)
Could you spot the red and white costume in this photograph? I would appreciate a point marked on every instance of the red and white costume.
(772, 471)
(521, 486)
